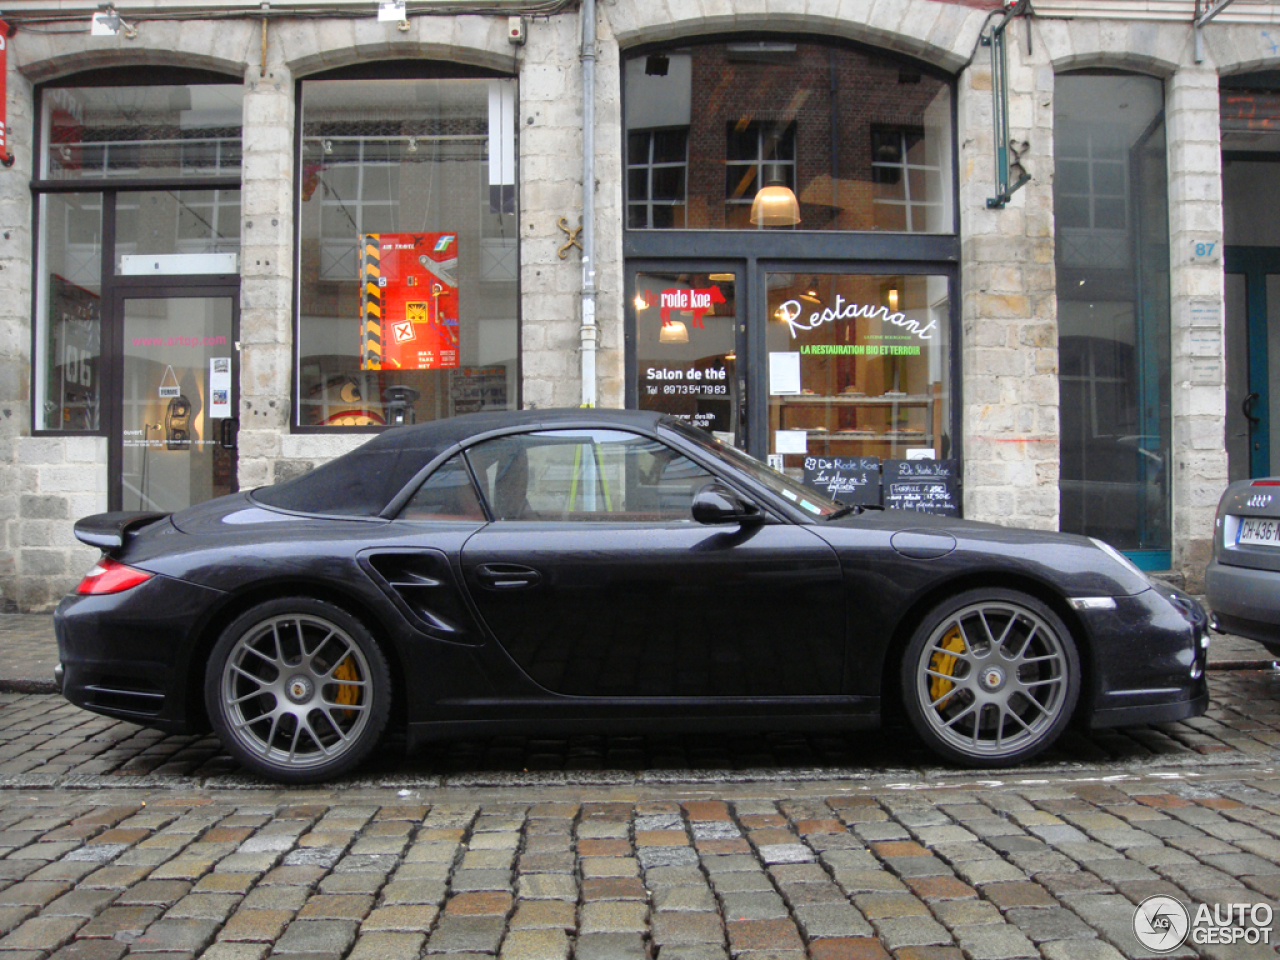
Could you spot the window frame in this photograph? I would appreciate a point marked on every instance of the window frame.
(108, 190)
(762, 164)
(375, 71)
(650, 166)
(789, 242)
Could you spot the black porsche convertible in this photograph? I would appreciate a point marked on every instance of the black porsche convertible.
(559, 571)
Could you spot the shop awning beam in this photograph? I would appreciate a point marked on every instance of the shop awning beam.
(1000, 110)
(1211, 9)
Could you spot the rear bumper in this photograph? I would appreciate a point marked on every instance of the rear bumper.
(1245, 602)
(129, 655)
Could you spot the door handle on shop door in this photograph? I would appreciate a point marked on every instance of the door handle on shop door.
(507, 576)
(227, 432)
(1246, 407)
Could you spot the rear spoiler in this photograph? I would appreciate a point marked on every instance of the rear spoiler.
(107, 531)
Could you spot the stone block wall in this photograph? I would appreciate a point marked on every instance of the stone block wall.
(57, 481)
(1009, 349)
(550, 120)
(1198, 337)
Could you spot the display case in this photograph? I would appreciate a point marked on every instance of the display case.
(853, 424)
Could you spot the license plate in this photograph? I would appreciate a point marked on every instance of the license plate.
(1254, 530)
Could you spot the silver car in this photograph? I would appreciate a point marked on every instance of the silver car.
(1242, 583)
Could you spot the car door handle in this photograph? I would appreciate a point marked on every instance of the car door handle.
(507, 576)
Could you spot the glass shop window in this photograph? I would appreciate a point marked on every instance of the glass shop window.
(858, 367)
(131, 136)
(685, 347)
(141, 132)
(863, 139)
(1111, 214)
(408, 267)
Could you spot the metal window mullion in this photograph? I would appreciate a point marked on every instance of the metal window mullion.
(648, 181)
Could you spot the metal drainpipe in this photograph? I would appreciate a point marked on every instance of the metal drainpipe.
(589, 329)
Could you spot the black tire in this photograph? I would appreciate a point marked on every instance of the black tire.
(298, 690)
(990, 678)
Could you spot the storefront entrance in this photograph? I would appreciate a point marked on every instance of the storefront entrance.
(1251, 263)
(798, 360)
(1253, 358)
(173, 429)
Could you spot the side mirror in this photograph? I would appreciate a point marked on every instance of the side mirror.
(714, 503)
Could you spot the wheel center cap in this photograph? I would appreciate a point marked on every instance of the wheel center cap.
(299, 689)
(992, 678)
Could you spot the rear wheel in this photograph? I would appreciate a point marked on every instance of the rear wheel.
(298, 690)
(991, 678)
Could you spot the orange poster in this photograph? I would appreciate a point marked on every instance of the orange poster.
(409, 301)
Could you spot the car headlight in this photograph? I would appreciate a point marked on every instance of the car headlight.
(1119, 558)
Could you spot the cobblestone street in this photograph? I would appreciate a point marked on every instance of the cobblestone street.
(115, 841)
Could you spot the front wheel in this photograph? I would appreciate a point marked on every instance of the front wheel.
(991, 678)
(298, 690)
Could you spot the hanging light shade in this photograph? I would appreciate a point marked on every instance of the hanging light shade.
(674, 331)
(775, 206)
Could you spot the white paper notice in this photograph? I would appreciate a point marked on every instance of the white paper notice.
(790, 441)
(784, 373)
(220, 388)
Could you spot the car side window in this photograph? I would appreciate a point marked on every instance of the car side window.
(448, 494)
(587, 475)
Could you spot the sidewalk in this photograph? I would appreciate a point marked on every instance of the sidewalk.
(29, 652)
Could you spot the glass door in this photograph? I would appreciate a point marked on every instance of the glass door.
(1253, 359)
(686, 344)
(173, 443)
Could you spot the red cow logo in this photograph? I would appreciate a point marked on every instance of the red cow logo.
(684, 300)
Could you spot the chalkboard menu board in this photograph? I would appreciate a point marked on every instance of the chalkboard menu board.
(925, 486)
(847, 479)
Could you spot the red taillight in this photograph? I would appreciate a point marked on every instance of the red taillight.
(109, 576)
(1265, 483)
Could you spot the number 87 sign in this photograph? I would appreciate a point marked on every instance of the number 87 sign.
(409, 301)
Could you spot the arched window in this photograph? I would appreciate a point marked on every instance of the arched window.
(407, 297)
(862, 138)
(1111, 210)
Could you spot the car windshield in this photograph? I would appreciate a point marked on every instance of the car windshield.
(792, 490)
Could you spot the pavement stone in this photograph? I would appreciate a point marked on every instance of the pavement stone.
(332, 937)
(494, 859)
(621, 946)
(536, 945)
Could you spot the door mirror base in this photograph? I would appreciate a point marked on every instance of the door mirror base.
(714, 503)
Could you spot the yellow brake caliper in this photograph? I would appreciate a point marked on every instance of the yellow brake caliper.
(348, 693)
(945, 663)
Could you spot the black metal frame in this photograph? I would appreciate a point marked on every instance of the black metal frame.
(115, 288)
(111, 327)
(155, 288)
(752, 253)
(381, 70)
(750, 340)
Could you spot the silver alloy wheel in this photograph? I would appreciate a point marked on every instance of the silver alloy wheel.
(993, 679)
(296, 691)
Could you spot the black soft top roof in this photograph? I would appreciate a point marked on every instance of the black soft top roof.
(361, 483)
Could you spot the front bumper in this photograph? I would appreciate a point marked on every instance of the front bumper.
(1149, 659)
(130, 655)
